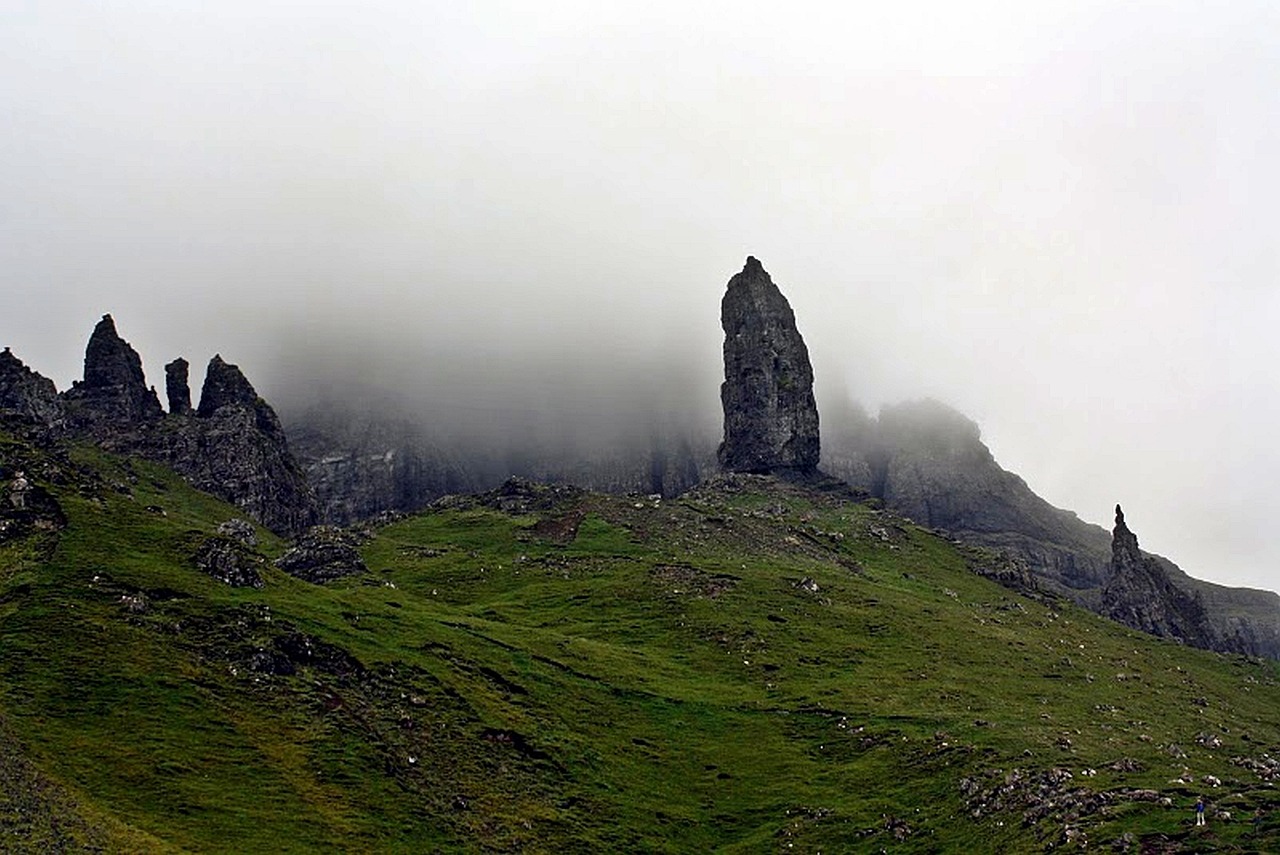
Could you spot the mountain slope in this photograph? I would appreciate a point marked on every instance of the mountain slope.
(927, 462)
(753, 667)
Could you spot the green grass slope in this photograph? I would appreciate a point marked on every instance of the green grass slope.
(751, 668)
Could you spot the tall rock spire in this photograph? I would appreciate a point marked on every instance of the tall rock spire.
(1141, 595)
(770, 418)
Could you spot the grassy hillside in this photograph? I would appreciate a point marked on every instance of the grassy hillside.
(751, 668)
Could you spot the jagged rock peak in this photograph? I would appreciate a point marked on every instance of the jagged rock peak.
(224, 384)
(25, 393)
(770, 417)
(1140, 594)
(109, 360)
(177, 387)
(114, 389)
(1125, 553)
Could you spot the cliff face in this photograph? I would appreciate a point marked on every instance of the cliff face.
(363, 460)
(1140, 594)
(770, 417)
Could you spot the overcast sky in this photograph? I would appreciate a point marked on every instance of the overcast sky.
(1057, 217)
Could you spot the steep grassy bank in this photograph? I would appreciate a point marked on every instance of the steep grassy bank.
(753, 667)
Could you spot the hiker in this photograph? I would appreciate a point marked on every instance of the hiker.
(1200, 811)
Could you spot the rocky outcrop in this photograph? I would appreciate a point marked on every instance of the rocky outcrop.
(25, 506)
(113, 397)
(232, 447)
(236, 449)
(230, 562)
(1140, 594)
(770, 417)
(322, 555)
(177, 388)
(26, 394)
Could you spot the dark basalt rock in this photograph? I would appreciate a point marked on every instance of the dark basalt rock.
(1140, 594)
(177, 389)
(236, 449)
(26, 394)
(229, 562)
(241, 531)
(224, 385)
(770, 417)
(113, 394)
(321, 555)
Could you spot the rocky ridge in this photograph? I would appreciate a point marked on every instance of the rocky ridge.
(26, 394)
(928, 462)
(232, 446)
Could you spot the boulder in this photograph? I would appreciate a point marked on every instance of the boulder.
(230, 562)
(240, 531)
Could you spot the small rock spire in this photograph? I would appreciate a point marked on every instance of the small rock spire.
(177, 387)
